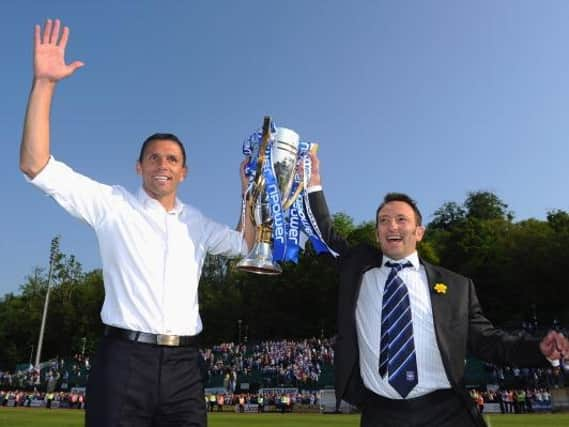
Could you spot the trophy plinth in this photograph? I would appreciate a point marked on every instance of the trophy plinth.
(260, 259)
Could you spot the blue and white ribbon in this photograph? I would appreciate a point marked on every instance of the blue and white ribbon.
(288, 226)
(309, 225)
(274, 199)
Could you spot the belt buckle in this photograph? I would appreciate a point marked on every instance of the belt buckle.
(168, 340)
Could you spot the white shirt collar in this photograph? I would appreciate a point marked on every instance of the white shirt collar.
(149, 202)
(412, 258)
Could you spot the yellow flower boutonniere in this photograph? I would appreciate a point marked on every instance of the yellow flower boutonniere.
(440, 288)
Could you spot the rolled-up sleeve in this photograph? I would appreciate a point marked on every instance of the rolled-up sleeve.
(79, 195)
(222, 240)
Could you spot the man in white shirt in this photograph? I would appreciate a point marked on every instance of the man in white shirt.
(148, 370)
(405, 326)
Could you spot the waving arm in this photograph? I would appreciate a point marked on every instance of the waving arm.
(49, 68)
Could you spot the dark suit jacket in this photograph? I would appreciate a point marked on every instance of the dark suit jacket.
(460, 326)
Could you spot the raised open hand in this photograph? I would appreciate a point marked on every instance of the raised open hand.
(49, 52)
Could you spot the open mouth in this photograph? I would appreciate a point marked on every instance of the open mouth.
(161, 178)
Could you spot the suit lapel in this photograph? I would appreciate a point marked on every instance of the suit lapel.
(439, 303)
(441, 306)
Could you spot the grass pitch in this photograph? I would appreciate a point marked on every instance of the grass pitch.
(33, 417)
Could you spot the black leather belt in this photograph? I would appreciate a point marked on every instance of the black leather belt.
(148, 338)
(416, 403)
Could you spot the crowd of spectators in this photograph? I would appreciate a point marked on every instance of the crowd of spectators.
(513, 377)
(282, 401)
(286, 362)
(71, 400)
(283, 363)
(57, 374)
(533, 378)
(290, 363)
(514, 401)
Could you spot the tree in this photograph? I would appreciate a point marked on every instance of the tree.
(220, 300)
(73, 312)
(486, 205)
(512, 264)
(363, 233)
(447, 216)
(343, 224)
(558, 221)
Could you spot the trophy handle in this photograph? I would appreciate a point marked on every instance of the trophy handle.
(288, 203)
(259, 183)
(250, 208)
(258, 187)
(292, 199)
(259, 178)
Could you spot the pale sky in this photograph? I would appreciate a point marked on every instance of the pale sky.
(432, 98)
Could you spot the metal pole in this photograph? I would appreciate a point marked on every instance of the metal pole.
(31, 354)
(52, 253)
(239, 330)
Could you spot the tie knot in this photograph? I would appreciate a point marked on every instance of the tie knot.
(398, 266)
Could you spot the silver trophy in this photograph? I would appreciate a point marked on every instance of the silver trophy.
(284, 152)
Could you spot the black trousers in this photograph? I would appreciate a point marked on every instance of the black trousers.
(441, 408)
(137, 385)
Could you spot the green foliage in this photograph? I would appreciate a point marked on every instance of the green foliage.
(297, 304)
(486, 205)
(220, 299)
(428, 252)
(73, 313)
(343, 224)
(515, 266)
(363, 233)
(447, 216)
(559, 221)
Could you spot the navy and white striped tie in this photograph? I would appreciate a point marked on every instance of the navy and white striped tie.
(397, 356)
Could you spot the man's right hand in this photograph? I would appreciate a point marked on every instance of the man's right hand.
(49, 68)
(49, 53)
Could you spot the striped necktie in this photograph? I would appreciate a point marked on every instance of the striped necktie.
(397, 356)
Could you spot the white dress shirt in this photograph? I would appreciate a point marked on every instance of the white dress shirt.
(152, 259)
(430, 370)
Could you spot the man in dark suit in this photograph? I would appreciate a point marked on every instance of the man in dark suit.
(405, 326)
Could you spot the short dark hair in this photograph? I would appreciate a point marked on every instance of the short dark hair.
(162, 136)
(399, 197)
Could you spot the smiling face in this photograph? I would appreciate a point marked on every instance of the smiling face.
(162, 169)
(397, 230)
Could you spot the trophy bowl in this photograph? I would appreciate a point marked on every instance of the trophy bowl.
(266, 200)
